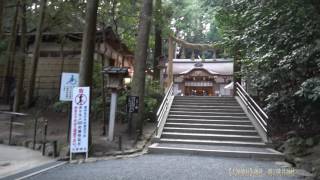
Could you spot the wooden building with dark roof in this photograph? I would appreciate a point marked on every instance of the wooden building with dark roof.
(60, 52)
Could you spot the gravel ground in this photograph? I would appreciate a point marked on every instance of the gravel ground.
(14, 159)
(171, 167)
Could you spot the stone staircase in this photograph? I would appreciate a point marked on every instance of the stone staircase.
(211, 126)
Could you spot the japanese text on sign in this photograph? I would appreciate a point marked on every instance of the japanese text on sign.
(68, 82)
(133, 104)
(80, 120)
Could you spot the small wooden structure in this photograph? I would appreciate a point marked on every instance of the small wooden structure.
(61, 51)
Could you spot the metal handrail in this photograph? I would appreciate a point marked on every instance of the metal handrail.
(164, 99)
(261, 117)
(164, 109)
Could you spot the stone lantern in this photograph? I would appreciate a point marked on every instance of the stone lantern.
(115, 82)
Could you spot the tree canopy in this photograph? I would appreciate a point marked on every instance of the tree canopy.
(279, 46)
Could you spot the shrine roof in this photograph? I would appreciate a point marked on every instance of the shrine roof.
(221, 66)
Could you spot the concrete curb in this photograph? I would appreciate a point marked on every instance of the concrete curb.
(118, 154)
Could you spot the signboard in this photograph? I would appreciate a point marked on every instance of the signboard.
(80, 120)
(68, 82)
(133, 104)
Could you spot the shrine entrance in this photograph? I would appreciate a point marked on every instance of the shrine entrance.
(199, 91)
(195, 70)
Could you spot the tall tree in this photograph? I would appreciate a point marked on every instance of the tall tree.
(141, 53)
(10, 55)
(35, 57)
(87, 49)
(2, 2)
(88, 44)
(21, 58)
(158, 39)
(278, 48)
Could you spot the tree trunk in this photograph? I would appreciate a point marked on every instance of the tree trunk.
(87, 49)
(2, 2)
(8, 81)
(88, 44)
(35, 57)
(21, 63)
(171, 55)
(138, 82)
(236, 69)
(158, 40)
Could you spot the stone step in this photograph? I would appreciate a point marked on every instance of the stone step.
(227, 117)
(224, 151)
(195, 103)
(214, 142)
(203, 97)
(208, 121)
(211, 131)
(4, 107)
(210, 126)
(205, 106)
(173, 112)
(239, 110)
(16, 123)
(175, 135)
(204, 101)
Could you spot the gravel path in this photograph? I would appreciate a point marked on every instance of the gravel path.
(170, 167)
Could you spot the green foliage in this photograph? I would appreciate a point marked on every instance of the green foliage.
(122, 16)
(192, 20)
(278, 45)
(152, 100)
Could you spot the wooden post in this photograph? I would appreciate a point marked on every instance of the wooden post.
(183, 55)
(214, 54)
(113, 109)
(104, 119)
(192, 55)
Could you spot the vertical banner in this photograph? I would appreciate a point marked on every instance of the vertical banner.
(80, 120)
(68, 82)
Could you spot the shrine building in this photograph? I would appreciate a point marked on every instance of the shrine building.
(203, 77)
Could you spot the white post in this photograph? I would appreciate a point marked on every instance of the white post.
(113, 108)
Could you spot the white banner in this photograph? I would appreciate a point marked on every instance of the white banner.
(68, 82)
(80, 120)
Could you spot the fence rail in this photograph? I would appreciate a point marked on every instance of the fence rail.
(260, 116)
(164, 109)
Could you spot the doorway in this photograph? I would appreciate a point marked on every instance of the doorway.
(199, 91)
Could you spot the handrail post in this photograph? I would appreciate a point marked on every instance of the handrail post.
(164, 108)
(258, 114)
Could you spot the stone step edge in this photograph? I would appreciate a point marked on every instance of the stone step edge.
(210, 120)
(228, 153)
(212, 142)
(208, 129)
(236, 117)
(199, 124)
(202, 106)
(208, 112)
(211, 135)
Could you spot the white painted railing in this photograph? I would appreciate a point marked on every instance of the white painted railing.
(164, 109)
(260, 116)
